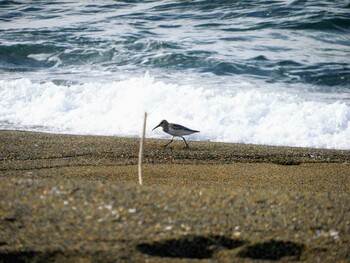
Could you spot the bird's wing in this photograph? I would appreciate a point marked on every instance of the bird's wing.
(179, 127)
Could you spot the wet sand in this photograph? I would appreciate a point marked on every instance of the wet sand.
(68, 198)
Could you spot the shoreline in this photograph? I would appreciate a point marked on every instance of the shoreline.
(223, 201)
(137, 137)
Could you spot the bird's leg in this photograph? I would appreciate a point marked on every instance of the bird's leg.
(169, 142)
(185, 142)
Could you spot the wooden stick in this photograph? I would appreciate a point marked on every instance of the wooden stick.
(141, 148)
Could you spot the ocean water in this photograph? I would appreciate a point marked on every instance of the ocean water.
(273, 72)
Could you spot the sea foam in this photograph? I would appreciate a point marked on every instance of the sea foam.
(232, 115)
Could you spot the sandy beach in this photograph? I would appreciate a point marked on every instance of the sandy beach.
(68, 198)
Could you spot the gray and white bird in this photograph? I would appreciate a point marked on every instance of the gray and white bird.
(176, 130)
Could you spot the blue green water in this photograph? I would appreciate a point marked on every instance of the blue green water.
(258, 68)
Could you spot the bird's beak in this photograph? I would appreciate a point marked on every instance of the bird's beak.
(156, 127)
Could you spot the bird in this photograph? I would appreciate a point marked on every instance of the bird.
(176, 130)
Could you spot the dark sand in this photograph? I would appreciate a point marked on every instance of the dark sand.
(70, 198)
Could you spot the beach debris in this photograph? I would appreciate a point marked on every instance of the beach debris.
(141, 149)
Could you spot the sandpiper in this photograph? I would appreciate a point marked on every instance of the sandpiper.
(176, 130)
